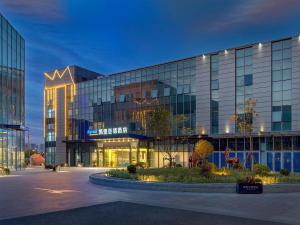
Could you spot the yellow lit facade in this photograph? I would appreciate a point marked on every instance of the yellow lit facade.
(59, 92)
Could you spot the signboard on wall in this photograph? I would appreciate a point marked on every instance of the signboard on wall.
(108, 131)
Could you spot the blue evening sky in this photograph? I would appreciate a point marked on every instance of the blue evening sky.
(110, 36)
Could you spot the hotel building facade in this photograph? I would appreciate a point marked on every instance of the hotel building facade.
(12, 114)
(103, 120)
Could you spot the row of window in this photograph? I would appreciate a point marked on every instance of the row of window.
(274, 160)
(276, 143)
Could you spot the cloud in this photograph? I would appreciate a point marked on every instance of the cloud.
(252, 13)
(44, 9)
(222, 15)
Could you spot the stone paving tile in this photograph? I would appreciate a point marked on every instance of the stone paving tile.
(125, 213)
(36, 191)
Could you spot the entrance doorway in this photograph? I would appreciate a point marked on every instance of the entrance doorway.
(116, 157)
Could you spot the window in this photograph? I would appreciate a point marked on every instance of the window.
(50, 113)
(154, 93)
(215, 84)
(50, 136)
(122, 98)
(286, 74)
(248, 80)
(50, 126)
(112, 99)
(240, 81)
(276, 116)
(167, 92)
(297, 162)
(277, 86)
(287, 143)
(296, 143)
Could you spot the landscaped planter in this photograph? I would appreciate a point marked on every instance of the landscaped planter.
(249, 188)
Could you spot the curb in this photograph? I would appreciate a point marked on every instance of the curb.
(101, 179)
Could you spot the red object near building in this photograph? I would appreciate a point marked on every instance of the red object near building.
(36, 159)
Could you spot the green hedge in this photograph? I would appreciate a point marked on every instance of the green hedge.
(4, 171)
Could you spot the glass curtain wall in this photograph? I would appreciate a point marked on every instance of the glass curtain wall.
(50, 126)
(281, 151)
(281, 85)
(11, 96)
(214, 88)
(127, 100)
(244, 80)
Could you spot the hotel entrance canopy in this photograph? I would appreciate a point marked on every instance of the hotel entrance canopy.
(112, 137)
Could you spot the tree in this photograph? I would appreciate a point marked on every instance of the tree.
(160, 127)
(202, 150)
(185, 131)
(245, 123)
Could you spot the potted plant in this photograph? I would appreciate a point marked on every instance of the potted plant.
(249, 185)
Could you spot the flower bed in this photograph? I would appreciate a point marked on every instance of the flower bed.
(185, 175)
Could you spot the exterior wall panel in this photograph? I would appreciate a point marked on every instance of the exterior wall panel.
(227, 91)
(203, 94)
(262, 86)
(296, 84)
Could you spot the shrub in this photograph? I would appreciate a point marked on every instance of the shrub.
(131, 169)
(249, 180)
(140, 165)
(284, 172)
(261, 169)
(213, 167)
(49, 167)
(206, 169)
(238, 166)
(121, 174)
(178, 165)
(4, 171)
(56, 168)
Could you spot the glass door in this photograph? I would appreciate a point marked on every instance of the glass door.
(116, 157)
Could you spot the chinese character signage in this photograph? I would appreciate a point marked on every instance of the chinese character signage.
(108, 131)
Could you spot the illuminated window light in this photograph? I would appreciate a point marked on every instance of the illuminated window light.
(262, 128)
(227, 129)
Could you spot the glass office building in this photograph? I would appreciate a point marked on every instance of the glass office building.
(12, 72)
(103, 120)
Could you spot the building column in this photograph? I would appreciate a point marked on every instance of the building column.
(130, 154)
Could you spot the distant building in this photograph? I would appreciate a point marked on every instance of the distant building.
(42, 148)
(12, 113)
(98, 120)
(32, 146)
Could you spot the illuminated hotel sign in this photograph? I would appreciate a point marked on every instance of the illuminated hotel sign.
(108, 131)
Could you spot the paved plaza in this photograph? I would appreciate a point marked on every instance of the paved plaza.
(130, 214)
(69, 196)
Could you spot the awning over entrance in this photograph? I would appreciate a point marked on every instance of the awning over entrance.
(96, 138)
